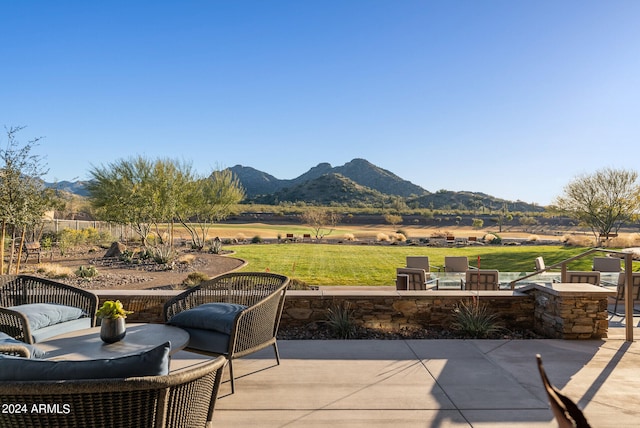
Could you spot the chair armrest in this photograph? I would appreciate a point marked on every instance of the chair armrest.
(15, 325)
(15, 350)
(259, 324)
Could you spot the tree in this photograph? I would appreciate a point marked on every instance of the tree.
(208, 200)
(23, 198)
(321, 220)
(144, 194)
(603, 200)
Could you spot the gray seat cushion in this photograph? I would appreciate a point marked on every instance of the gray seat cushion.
(209, 316)
(154, 362)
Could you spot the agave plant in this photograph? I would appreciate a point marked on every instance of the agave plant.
(473, 319)
(340, 320)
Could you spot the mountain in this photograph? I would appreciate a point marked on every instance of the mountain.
(327, 189)
(360, 182)
(356, 183)
(360, 171)
(74, 187)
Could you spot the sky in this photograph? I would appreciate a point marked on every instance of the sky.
(510, 98)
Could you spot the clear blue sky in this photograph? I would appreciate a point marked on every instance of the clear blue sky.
(510, 98)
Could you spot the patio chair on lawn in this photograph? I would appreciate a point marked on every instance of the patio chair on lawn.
(420, 262)
(456, 264)
(413, 279)
(607, 264)
(575, 276)
(540, 264)
(565, 411)
(235, 314)
(481, 279)
(620, 291)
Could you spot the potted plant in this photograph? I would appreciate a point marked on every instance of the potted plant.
(113, 327)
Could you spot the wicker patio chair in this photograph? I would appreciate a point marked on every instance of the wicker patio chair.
(252, 304)
(18, 290)
(565, 411)
(15, 350)
(182, 399)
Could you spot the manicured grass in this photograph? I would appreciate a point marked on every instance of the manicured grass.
(375, 265)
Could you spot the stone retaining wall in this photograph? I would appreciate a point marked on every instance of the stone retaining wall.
(564, 311)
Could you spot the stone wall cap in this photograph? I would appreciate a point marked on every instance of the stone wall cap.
(568, 288)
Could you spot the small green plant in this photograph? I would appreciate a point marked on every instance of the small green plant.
(112, 310)
(195, 278)
(340, 320)
(473, 319)
(86, 272)
(216, 246)
(126, 256)
(256, 240)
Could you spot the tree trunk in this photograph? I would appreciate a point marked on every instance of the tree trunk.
(4, 232)
(24, 232)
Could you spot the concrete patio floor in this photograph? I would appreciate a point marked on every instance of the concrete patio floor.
(432, 383)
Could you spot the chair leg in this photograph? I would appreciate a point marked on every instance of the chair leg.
(275, 348)
(233, 383)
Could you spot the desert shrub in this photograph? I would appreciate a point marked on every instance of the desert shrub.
(186, 259)
(578, 240)
(533, 238)
(402, 232)
(256, 240)
(54, 271)
(195, 278)
(382, 237)
(216, 246)
(349, 237)
(492, 238)
(340, 320)
(126, 256)
(86, 272)
(240, 237)
(298, 284)
(626, 241)
(473, 319)
(398, 237)
(438, 234)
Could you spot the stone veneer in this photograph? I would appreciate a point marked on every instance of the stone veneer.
(563, 311)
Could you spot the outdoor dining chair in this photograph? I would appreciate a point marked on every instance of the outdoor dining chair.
(456, 264)
(481, 279)
(587, 277)
(607, 264)
(620, 291)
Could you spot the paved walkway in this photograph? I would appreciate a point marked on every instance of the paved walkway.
(432, 383)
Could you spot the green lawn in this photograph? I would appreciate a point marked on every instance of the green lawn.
(337, 264)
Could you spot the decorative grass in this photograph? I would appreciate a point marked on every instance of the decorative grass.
(375, 265)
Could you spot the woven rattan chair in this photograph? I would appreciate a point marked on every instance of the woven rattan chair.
(24, 289)
(254, 327)
(182, 399)
(15, 350)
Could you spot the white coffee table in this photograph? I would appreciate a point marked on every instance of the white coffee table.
(86, 344)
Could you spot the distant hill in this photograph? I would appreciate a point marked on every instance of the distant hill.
(357, 183)
(359, 171)
(360, 182)
(75, 187)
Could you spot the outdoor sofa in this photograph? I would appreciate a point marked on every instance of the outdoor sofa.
(33, 309)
